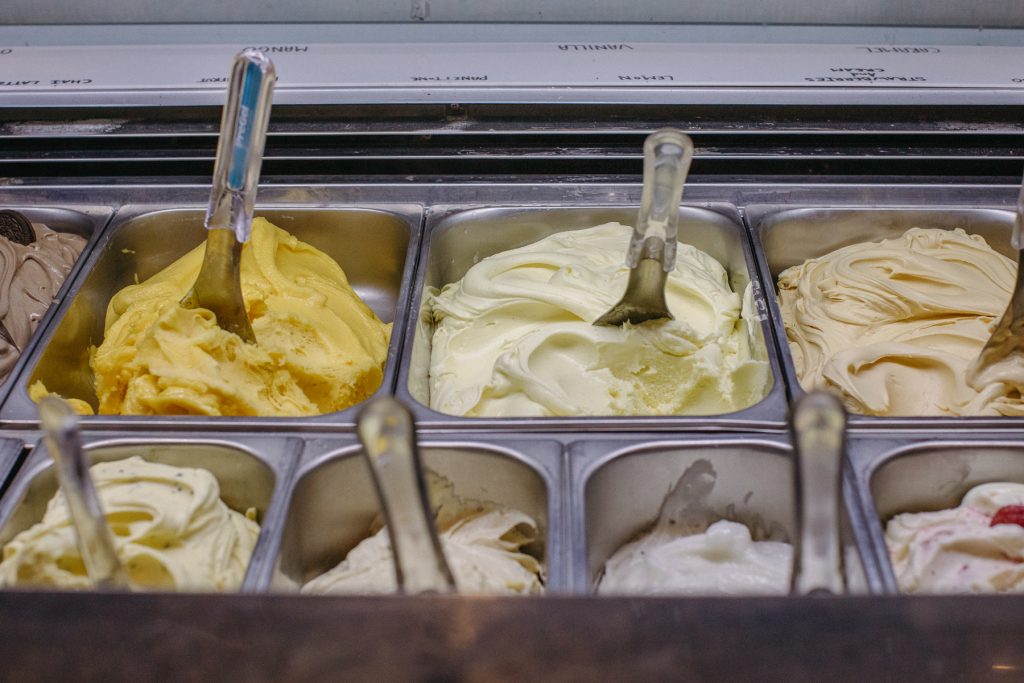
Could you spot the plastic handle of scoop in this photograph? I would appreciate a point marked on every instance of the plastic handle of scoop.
(243, 135)
(819, 432)
(667, 156)
(385, 428)
(95, 542)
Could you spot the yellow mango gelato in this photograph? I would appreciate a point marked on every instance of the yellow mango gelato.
(515, 336)
(170, 528)
(892, 326)
(318, 348)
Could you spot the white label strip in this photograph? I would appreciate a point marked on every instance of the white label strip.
(472, 65)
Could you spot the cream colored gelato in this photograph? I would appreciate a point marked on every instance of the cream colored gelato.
(724, 560)
(483, 551)
(893, 325)
(171, 531)
(959, 550)
(515, 336)
(29, 279)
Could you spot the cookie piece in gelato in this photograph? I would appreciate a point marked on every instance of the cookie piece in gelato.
(893, 325)
(724, 560)
(30, 276)
(515, 336)
(170, 528)
(319, 348)
(483, 549)
(977, 547)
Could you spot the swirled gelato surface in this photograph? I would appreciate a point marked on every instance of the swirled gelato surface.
(515, 336)
(483, 549)
(170, 528)
(893, 325)
(318, 347)
(724, 560)
(29, 279)
(965, 549)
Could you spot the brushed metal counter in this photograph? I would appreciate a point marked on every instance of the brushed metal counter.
(148, 637)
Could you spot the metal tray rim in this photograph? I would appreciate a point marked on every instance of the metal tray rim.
(768, 414)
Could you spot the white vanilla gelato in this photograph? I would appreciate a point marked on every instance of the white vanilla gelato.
(724, 560)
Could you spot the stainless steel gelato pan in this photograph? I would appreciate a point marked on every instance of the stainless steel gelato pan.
(617, 488)
(785, 236)
(895, 473)
(375, 247)
(333, 504)
(457, 237)
(86, 221)
(253, 472)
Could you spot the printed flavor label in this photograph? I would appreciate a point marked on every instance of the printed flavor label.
(890, 50)
(460, 79)
(864, 75)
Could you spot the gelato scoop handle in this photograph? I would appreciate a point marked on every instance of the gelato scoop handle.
(95, 543)
(1002, 357)
(236, 172)
(386, 430)
(243, 135)
(819, 432)
(652, 248)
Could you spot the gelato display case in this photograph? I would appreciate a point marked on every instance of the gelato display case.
(409, 149)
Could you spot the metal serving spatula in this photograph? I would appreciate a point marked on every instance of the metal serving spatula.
(95, 543)
(819, 433)
(1007, 338)
(243, 132)
(652, 248)
(386, 429)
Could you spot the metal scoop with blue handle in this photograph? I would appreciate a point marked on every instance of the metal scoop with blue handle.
(243, 133)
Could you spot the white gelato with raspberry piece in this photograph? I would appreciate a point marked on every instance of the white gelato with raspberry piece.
(977, 547)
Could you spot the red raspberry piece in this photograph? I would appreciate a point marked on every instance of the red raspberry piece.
(1009, 514)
